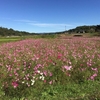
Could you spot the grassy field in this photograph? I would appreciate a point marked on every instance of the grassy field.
(9, 39)
(17, 38)
(34, 68)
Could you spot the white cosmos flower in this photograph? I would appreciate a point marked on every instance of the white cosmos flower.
(42, 77)
(38, 71)
(23, 82)
(33, 81)
(41, 73)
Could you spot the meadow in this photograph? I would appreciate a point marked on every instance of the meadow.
(50, 69)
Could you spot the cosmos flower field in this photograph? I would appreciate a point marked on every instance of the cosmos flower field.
(36, 62)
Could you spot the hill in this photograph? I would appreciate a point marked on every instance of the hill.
(11, 32)
(86, 29)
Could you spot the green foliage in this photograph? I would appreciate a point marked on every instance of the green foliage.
(48, 36)
(86, 29)
(11, 32)
(88, 90)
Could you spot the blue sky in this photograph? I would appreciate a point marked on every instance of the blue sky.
(48, 15)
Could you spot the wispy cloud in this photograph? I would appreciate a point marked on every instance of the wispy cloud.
(25, 21)
(49, 24)
(36, 23)
(80, 24)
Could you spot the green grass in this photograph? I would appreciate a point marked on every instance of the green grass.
(89, 90)
(9, 39)
(13, 39)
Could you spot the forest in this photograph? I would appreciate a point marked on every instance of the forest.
(12, 32)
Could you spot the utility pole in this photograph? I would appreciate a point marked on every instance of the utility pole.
(65, 29)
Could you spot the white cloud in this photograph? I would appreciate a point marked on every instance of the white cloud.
(25, 21)
(36, 23)
(49, 24)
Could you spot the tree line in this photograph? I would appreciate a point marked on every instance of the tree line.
(79, 29)
(11, 32)
(86, 29)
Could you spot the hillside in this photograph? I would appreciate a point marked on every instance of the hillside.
(86, 29)
(11, 32)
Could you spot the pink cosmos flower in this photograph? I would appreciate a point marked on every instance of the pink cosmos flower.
(95, 69)
(44, 81)
(50, 74)
(59, 56)
(67, 67)
(10, 74)
(50, 82)
(45, 73)
(15, 84)
(93, 76)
